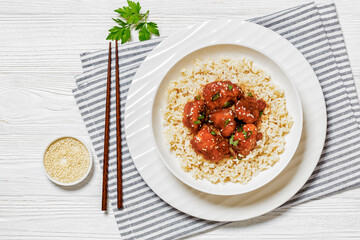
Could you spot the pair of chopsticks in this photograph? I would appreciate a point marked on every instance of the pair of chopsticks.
(118, 134)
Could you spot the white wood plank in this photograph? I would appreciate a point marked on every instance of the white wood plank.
(40, 43)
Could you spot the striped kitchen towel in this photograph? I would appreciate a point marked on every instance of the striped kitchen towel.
(315, 31)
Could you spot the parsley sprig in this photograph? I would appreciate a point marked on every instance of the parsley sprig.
(132, 18)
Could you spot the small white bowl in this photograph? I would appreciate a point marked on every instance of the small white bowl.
(71, 183)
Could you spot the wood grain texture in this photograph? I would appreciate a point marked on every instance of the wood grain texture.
(40, 43)
(119, 190)
(104, 193)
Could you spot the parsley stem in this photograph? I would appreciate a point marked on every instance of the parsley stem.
(146, 15)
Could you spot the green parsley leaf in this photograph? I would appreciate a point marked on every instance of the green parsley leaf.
(249, 94)
(230, 87)
(211, 121)
(135, 7)
(144, 34)
(231, 156)
(197, 122)
(139, 26)
(153, 28)
(216, 96)
(124, 13)
(213, 133)
(134, 18)
(198, 97)
(240, 158)
(130, 12)
(125, 37)
(261, 113)
(115, 33)
(120, 22)
(201, 117)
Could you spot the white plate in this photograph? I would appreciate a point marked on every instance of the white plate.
(279, 77)
(139, 109)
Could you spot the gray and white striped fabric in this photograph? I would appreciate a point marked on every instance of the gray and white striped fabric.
(315, 31)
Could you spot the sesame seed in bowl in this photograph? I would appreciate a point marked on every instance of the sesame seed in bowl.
(67, 161)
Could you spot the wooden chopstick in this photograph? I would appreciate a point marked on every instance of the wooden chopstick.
(118, 132)
(106, 136)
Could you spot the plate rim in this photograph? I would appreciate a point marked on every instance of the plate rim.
(289, 194)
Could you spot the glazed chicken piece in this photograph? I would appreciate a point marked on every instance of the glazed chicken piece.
(223, 119)
(221, 94)
(209, 144)
(248, 109)
(247, 137)
(194, 115)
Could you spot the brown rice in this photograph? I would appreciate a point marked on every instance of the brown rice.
(275, 123)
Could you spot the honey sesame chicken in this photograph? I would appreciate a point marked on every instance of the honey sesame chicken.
(221, 94)
(211, 145)
(223, 119)
(247, 137)
(194, 115)
(213, 121)
(248, 109)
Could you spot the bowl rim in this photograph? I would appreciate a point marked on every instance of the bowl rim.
(298, 137)
(71, 183)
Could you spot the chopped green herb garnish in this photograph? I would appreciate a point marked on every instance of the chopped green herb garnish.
(240, 158)
(230, 87)
(241, 128)
(247, 134)
(197, 122)
(227, 104)
(231, 157)
(226, 122)
(213, 133)
(261, 113)
(198, 97)
(249, 94)
(201, 117)
(216, 96)
(210, 121)
(232, 142)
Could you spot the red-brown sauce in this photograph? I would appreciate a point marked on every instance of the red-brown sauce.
(222, 94)
(211, 145)
(225, 123)
(247, 138)
(224, 120)
(194, 115)
(248, 109)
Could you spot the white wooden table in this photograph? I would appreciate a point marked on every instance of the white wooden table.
(40, 43)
